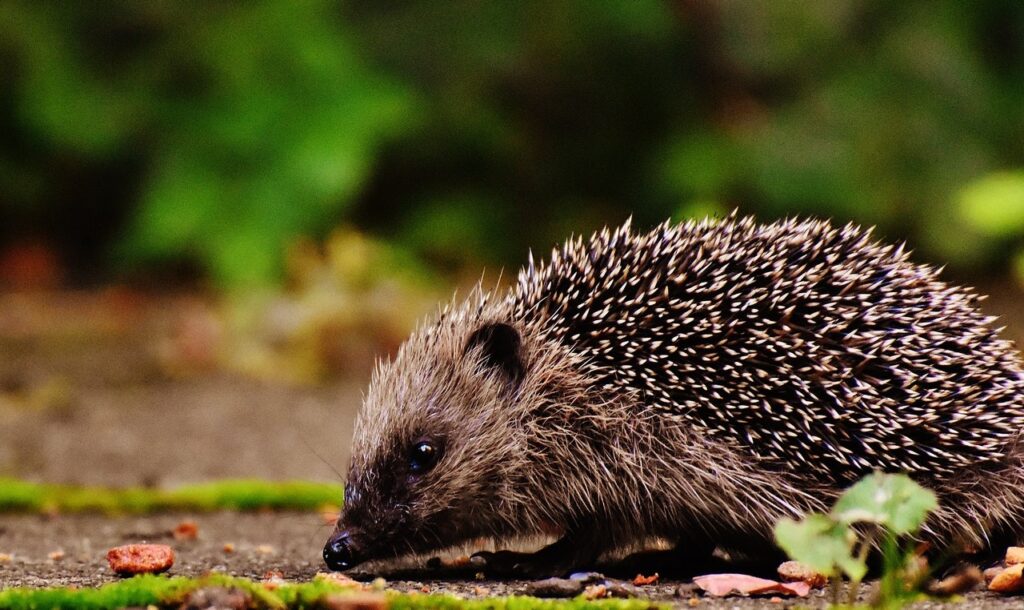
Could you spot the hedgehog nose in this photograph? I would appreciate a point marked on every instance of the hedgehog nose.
(338, 553)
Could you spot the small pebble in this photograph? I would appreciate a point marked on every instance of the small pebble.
(229, 547)
(686, 589)
(693, 602)
(140, 558)
(378, 584)
(56, 555)
(620, 589)
(1014, 555)
(991, 573)
(593, 592)
(186, 530)
(794, 571)
(587, 577)
(1010, 580)
(265, 549)
(6, 558)
(555, 588)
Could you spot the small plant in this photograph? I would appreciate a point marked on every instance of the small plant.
(880, 512)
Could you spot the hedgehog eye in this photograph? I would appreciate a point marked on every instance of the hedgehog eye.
(422, 456)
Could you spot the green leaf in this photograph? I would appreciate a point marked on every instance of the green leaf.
(894, 501)
(820, 543)
(995, 204)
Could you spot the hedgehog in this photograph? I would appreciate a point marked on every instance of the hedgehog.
(692, 384)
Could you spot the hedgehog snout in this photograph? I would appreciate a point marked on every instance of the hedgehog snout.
(340, 552)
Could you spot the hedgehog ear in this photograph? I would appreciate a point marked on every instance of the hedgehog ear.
(501, 347)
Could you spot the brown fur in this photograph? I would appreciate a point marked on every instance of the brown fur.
(587, 443)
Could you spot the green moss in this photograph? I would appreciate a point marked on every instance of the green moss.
(165, 592)
(138, 591)
(22, 496)
(449, 602)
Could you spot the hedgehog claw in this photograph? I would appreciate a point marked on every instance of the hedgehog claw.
(510, 564)
(558, 559)
(499, 563)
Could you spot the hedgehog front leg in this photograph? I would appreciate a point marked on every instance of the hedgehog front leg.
(569, 553)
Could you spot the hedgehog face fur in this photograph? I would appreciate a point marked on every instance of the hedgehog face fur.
(435, 445)
(694, 383)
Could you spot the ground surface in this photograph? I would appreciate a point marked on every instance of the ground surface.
(86, 398)
(287, 544)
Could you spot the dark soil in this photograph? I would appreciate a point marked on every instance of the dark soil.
(84, 399)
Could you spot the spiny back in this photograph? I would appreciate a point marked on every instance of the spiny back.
(815, 349)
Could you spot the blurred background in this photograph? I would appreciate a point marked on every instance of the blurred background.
(214, 216)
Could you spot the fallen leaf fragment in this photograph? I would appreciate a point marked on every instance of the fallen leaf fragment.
(140, 558)
(794, 571)
(6, 557)
(641, 580)
(229, 547)
(1010, 580)
(720, 585)
(56, 555)
(1014, 555)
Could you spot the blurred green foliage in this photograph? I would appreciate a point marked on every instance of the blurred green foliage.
(216, 133)
(18, 496)
(249, 124)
